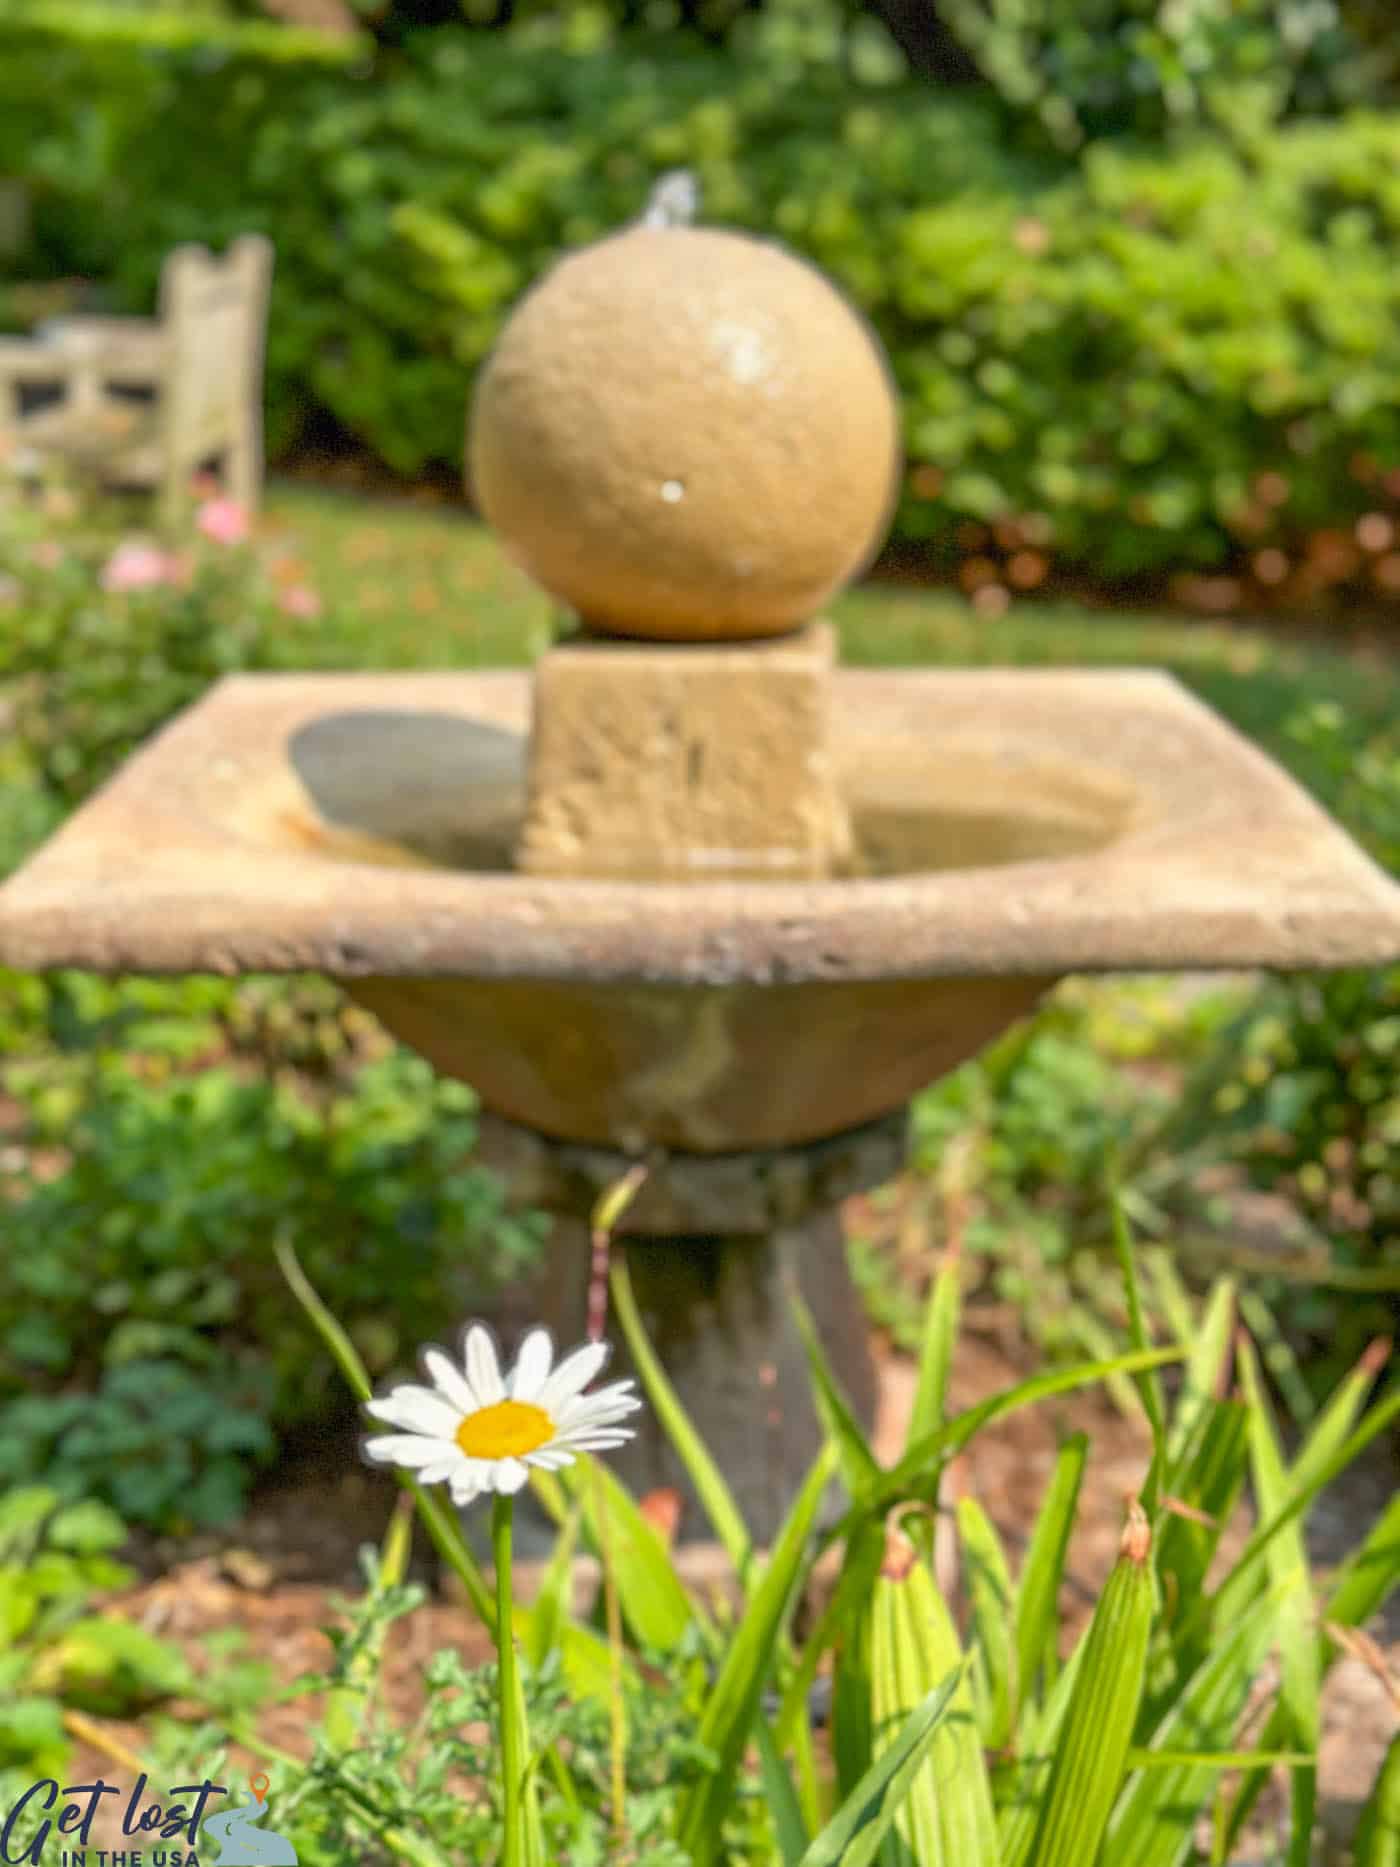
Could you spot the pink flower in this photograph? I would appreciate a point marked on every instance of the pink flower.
(137, 567)
(299, 601)
(223, 520)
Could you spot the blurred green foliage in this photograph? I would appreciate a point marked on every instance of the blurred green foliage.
(1303, 1091)
(90, 673)
(1191, 1106)
(1148, 356)
(156, 1136)
(1170, 358)
(172, 1133)
(401, 1779)
(1085, 68)
(1013, 1154)
(54, 1650)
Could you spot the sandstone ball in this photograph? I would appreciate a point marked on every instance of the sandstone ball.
(686, 434)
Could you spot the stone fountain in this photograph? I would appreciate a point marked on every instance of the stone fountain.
(688, 889)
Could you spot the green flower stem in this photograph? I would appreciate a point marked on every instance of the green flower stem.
(441, 1525)
(512, 1760)
(616, 1716)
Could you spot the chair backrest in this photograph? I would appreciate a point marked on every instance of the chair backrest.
(215, 314)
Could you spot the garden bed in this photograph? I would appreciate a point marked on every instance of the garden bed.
(278, 1575)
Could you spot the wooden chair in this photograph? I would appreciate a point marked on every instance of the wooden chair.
(199, 367)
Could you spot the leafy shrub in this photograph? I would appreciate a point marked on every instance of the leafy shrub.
(1116, 65)
(104, 638)
(1152, 358)
(1372, 25)
(166, 1444)
(397, 1780)
(1303, 1092)
(1314, 1108)
(1290, 1087)
(1169, 360)
(54, 1650)
(160, 1135)
(1359, 775)
(1011, 1155)
(142, 1203)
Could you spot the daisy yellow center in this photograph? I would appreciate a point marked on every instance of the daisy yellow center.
(505, 1430)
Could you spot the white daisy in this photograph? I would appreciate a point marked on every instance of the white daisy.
(478, 1430)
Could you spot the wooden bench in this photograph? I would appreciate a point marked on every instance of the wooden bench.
(196, 371)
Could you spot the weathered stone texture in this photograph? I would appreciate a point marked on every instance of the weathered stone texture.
(696, 762)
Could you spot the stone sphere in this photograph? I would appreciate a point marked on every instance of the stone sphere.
(688, 435)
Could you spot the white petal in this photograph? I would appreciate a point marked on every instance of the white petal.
(418, 1409)
(483, 1369)
(508, 1476)
(449, 1380)
(467, 1486)
(615, 1390)
(550, 1458)
(573, 1374)
(604, 1404)
(531, 1369)
(408, 1449)
(590, 1438)
(594, 1439)
(476, 1472)
(448, 1466)
(612, 1420)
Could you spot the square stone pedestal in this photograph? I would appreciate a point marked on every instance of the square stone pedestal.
(656, 760)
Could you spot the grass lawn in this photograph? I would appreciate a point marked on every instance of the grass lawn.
(413, 586)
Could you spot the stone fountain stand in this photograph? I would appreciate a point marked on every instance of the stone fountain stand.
(685, 758)
(709, 1242)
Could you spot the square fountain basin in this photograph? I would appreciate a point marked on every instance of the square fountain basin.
(1015, 826)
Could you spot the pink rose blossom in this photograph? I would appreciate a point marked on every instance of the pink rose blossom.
(137, 567)
(299, 601)
(223, 520)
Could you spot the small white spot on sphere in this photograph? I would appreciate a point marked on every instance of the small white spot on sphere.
(743, 349)
(672, 491)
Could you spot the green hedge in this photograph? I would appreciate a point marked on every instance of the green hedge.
(1079, 68)
(1119, 345)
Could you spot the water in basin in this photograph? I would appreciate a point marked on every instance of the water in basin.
(432, 790)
